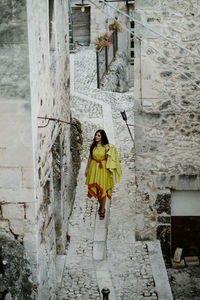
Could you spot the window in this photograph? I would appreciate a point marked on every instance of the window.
(132, 53)
(51, 9)
(132, 24)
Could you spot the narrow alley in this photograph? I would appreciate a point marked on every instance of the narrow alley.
(68, 69)
(104, 253)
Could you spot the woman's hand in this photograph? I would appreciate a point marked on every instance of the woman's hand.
(88, 163)
(107, 148)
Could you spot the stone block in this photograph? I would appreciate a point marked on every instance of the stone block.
(99, 250)
(4, 226)
(148, 34)
(163, 203)
(163, 219)
(148, 89)
(177, 255)
(147, 103)
(30, 211)
(178, 265)
(16, 155)
(147, 69)
(13, 211)
(188, 182)
(27, 178)
(163, 180)
(17, 195)
(17, 226)
(30, 242)
(10, 178)
(140, 221)
(191, 261)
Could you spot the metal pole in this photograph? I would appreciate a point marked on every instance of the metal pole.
(140, 49)
(113, 42)
(105, 292)
(106, 58)
(124, 117)
(116, 40)
(130, 134)
(98, 79)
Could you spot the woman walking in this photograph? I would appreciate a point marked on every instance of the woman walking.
(103, 161)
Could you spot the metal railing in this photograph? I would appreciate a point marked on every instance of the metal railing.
(105, 57)
(124, 1)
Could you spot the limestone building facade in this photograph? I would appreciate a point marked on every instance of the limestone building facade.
(36, 186)
(167, 120)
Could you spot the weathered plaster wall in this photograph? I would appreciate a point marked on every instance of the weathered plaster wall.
(49, 80)
(167, 112)
(17, 202)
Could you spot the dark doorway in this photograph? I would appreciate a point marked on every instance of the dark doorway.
(186, 234)
(81, 25)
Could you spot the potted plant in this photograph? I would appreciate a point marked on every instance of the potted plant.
(111, 27)
(116, 25)
(102, 41)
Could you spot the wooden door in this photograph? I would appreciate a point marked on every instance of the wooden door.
(81, 25)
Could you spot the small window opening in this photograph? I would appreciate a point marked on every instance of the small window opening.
(132, 24)
(51, 9)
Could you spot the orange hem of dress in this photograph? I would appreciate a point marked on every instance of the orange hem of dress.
(92, 193)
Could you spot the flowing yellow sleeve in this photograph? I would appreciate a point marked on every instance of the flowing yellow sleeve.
(113, 163)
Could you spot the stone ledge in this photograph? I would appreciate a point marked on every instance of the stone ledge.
(159, 271)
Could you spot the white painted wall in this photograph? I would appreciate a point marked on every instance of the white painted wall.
(185, 203)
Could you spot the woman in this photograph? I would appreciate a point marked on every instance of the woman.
(99, 170)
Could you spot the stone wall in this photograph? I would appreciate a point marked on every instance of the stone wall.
(49, 81)
(117, 78)
(35, 171)
(17, 202)
(167, 113)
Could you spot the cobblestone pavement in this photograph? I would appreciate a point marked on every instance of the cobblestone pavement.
(79, 278)
(185, 283)
(127, 260)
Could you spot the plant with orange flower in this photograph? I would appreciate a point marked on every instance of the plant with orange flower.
(118, 26)
(102, 41)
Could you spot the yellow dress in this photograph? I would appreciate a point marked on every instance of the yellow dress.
(99, 178)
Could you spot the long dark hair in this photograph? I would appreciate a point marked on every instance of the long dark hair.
(104, 140)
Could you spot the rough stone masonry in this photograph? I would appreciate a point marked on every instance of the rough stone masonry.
(168, 113)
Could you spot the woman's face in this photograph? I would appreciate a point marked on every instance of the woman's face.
(98, 137)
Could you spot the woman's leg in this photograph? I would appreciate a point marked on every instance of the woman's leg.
(102, 211)
(103, 204)
(99, 200)
(100, 205)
